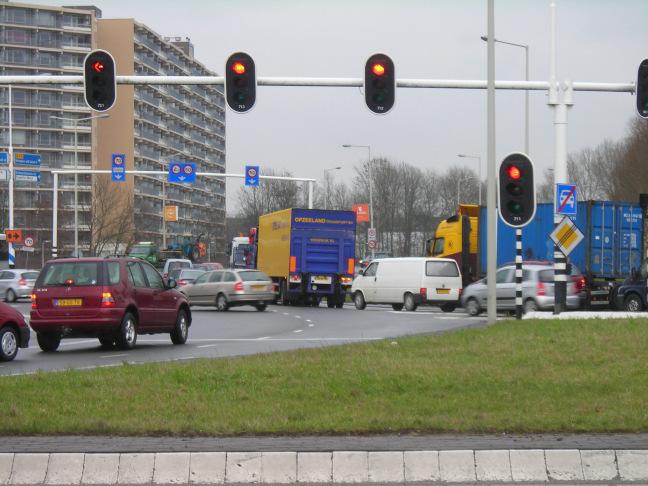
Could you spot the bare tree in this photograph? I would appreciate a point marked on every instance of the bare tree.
(269, 196)
(630, 177)
(111, 217)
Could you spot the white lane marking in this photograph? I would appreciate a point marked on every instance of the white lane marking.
(262, 338)
(297, 317)
(206, 345)
(184, 357)
(71, 342)
(285, 313)
(308, 320)
(311, 325)
(298, 330)
(115, 355)
(292, 339)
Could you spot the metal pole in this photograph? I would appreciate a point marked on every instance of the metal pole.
(11, 251)
(371, 211)
(164, 243)
(76, 183)
(480, 180)
(491, 173)
(458, 192)
(526, 104)
(518, 273)
(310, 194)
(55, 215)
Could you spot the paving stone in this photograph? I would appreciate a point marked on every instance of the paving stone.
(171, 468)
(207, 467)
(6, 461)
(528, 465)
(350, 467)
(136, 468)
(633, 465)
(65, 468)
(29, 468)
(421, 466)
(599, 465)
(457, 466)
(314, 467)
(100, 469)
(243, 467)
(386, 467)
(279, 467)
(493, 465)
(564, 465)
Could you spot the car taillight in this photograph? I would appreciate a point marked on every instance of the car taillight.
(238, 287)
(346, 280)
(107, 299)
(33, 301)
(423, 292)
(540, 289)
(22, 282)
(182, 282)
(580, 284)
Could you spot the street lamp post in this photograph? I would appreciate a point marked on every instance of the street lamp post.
(479, 170)
(75, 122)
(371, 212)
(526, 92)
(328, 188)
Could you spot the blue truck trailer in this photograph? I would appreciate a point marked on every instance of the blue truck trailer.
(308, 253)
(611, 248)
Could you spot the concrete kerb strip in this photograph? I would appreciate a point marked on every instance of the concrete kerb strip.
(341, 467)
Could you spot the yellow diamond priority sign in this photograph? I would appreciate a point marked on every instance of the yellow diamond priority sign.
(566, 236)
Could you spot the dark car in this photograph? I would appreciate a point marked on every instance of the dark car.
(14, 332)
(112, 299)
(632, 295)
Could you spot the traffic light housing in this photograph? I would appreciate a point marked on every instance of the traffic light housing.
(99, 80)
(642, 89)
(517, 198)
(379, 83)
(240, 82)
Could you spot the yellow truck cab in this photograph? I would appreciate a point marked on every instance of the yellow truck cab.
(457, 238)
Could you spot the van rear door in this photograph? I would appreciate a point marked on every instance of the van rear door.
(442, 281)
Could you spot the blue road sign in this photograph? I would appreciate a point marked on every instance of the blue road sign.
(182, 172)
(28, 176)
(566, 201)
(119, 167)
(32, 160)
(252, 175)
(4, 158)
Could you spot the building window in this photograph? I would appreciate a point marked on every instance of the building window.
(16, 56)
(46, 59)
(47, 39)
(47, 98)
(17, 15)
(45, 139)
(15, 36)
(18, 117)
(19, 97)
(76, 21)
(73, 60)
(46, 18)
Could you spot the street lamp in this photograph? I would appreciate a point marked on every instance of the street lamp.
(371, 213)
(526, 92)
(328, 185)
(464, 156)
(75, 122)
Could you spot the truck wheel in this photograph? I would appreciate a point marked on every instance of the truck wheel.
(410, 303)
(315, 301)
(473, 308)
(340, 303)
(48, 342)
(397, 307)
(330, 302)
(359, 301)
(221, 303)
(448, 307)
(283, 290)
(632, 303)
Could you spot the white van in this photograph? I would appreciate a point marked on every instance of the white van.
(409, 282)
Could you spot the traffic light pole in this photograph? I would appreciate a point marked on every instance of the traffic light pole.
(11, 250)
(518, 273)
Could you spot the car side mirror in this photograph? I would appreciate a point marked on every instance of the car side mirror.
(361, 272)
(172, 284)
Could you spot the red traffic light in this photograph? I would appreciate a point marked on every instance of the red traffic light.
(378, 69)
(238, 68)
(98, 66)
(514, 172)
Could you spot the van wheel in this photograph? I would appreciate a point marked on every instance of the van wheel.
(127, 335)
(397, 307)
(221, 303)
(448, 307)
(530, 306)
(181, 330)
(48, 342)
(632, 303)
(359, 301)
(473, 308)
(410, 303)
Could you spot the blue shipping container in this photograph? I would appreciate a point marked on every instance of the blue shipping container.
(611, 248)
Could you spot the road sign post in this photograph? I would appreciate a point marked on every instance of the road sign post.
(118, 167)
(182, 172)
(566, 200)
(252, 174)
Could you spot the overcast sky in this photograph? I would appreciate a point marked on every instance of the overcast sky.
(302, 129)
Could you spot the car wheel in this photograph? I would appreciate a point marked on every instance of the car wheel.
(410, 303)
(8, 343)
(448, 307)
(473, 308)
(530, 306)
(107, 342)
(632, 303)
(181, 330)
(261, 307)
(397, 307)
(221, 303)
(48, 342)
(359, 301)
(11, 296)
(127, 336)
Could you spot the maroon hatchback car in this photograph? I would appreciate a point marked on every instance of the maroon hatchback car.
(14, 332)
(113, 299)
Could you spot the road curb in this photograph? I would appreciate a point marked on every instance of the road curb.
(339, 467)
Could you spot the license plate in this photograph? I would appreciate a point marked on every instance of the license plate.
(443, 291)
(321, 279)
(259, 287)
(68, 302)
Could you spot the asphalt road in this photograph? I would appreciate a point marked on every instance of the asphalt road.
(245, 331)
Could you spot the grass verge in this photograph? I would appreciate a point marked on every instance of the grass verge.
(528, 376)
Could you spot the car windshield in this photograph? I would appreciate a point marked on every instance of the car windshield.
(191, 274)
(70, 273)
(254, 276)
(29, 275)
(178, 266)
(140, 250)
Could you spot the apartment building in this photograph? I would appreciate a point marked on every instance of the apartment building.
(152, 125)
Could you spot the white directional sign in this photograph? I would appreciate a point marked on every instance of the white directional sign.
(371, 234)
(566, 236)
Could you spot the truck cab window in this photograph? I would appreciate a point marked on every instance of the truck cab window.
(438, 246)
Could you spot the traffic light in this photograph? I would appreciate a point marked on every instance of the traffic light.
(99, 80)
(517, 199)
(642, 89)
(240, 82)
(379, 83)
